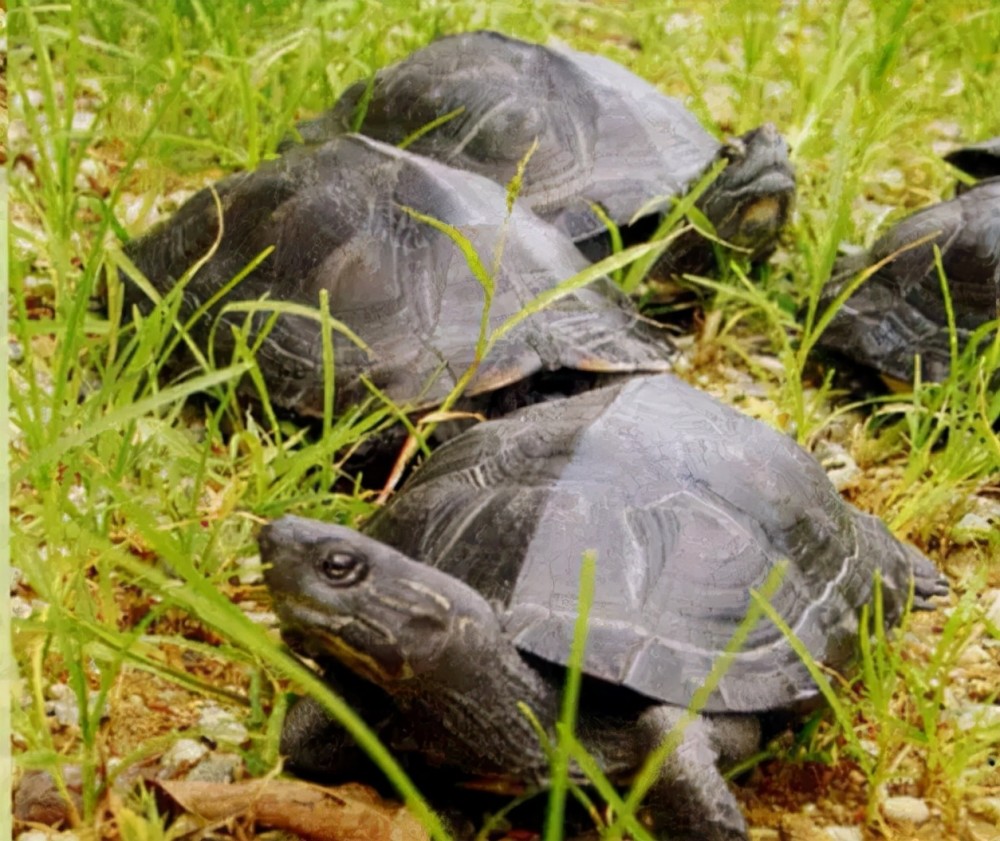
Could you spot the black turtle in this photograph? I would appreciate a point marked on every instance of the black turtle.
(899, 312)
(605, 136)
(458, 601)
(338, 219)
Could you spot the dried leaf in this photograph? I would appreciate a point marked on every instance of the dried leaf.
(343, 813)
(38, 800)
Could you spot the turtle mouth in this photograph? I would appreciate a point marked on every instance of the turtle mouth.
(364, 646)
(305, 627)
(380, 664)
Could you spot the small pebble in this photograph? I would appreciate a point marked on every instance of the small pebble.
(771, 364)
(973, 654)
(988, 807)
(37, 835)
(217, 768)
(975, 716)
(21, 608)
(267, 618)
(183, 754)
(799, 827)
(250, 570)
(62, 705)
(221, 726)
(991, 607)
(843, 833)
(947, 129)
(905, 808)
(972, 528)
(840, 468)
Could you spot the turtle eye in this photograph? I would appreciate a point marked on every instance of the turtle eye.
(342, 569)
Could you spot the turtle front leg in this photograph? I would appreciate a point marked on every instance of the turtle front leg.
(317, 746)
(690, 799)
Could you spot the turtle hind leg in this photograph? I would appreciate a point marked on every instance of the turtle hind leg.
(690, 799)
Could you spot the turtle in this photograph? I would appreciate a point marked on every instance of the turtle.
(480, 101)
(458, 599)
(342, 218)
(899, 313)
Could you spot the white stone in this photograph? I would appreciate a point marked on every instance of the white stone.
(267, 618)
(840, 467)
(250, 570)
(843, 833)
(973, 654)
(975, 716)
(906, 808)
(218, 768)
(991, 607)
(83, 121)
(221, 726)
(38, 835)
(63, 705)
(21, 608)
(182, 754)
(971, 528)
(988, 807)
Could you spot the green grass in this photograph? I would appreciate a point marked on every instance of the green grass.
(111, 468)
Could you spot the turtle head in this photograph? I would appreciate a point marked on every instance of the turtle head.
(342, 595)
(751, 199)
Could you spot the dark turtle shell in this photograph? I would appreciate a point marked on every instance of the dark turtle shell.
(604, 136)
(900, 311)
(689, 504)
(336, 217)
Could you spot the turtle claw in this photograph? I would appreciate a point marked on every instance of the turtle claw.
(928, 583)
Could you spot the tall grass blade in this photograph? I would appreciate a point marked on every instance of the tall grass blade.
(570, 701)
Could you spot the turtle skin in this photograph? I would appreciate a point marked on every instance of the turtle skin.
(336, 218)
(898, 314)
(604, 136)
(688, 504)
